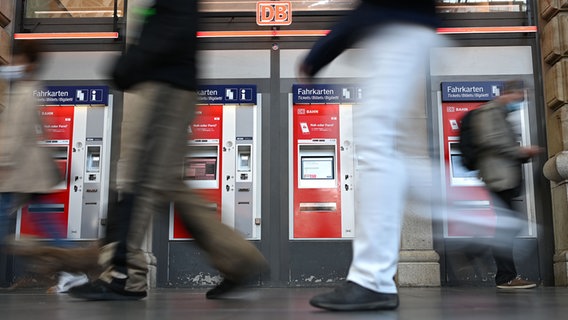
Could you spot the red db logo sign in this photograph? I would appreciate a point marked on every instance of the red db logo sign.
(273, 13)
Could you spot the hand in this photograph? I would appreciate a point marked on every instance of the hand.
(532, 151)
(304, 74)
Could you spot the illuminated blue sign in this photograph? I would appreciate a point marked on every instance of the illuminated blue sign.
(227, 94)
(74, 95)
(326, 93)
(471, 91)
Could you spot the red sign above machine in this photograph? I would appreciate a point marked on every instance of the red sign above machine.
(274, 13)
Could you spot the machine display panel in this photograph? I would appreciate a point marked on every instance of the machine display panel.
(202, 168)
(317, 168)
(458, 169)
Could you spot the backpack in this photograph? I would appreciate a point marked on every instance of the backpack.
(467, 145)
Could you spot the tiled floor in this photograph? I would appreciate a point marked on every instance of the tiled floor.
(291, 303)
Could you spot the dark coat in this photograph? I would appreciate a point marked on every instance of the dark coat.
(165, 51)
(500, 156)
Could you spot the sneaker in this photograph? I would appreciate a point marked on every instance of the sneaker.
(99, 290)
(517, 283)
(353, 297)
(69, 280)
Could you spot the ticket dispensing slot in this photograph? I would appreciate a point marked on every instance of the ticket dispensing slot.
(46, 208)
(201, 167)
(93, 166)
(60, 155)
(459, 174)
(320, 206)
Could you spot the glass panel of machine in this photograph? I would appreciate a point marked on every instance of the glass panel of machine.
(481, 6)
(297, 5)
(73, 8)
(458, 170)
(105, 8)
(444, 6)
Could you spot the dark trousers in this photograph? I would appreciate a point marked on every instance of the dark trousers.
(507, 228)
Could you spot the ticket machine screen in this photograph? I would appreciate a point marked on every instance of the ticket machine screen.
(317, 168)
(202, 168)
(458, 169)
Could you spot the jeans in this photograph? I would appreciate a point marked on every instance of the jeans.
(396, 55)
(6, 209)
(503, 243)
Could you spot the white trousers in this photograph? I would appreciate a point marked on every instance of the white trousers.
(396, 55)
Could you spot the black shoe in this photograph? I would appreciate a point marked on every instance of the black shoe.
(223, 290)
(100, 290)
(353, 297)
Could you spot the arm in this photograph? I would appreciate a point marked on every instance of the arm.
(342, 36)
(359, 22)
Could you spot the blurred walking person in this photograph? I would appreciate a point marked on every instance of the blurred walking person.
(397, 37)
(28, 172)
(500, 158)
(160, 70)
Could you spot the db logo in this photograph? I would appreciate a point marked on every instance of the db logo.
(273, 13)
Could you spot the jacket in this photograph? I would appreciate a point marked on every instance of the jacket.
(500, 157)
(25, 166)
(361, 20)
(165, 51)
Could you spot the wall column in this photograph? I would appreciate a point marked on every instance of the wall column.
(554, 47)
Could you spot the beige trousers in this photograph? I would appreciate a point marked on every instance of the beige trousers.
(153, 146)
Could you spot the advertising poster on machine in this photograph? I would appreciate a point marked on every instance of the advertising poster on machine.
(322, 161)
(465, 192)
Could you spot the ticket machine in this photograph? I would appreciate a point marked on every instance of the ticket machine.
(77, 129)
(223, 159)
(322, 161)
(465, 192)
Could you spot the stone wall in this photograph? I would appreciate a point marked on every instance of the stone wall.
(6, 29)
(554, 46)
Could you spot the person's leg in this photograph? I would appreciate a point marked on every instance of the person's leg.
(136, 139)
(227, 250)
(5, 228)
(154, 138)
(396, 53)
(509, 224)
(124, 263)
(5, 216)
(503, 247)
(158, 179)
